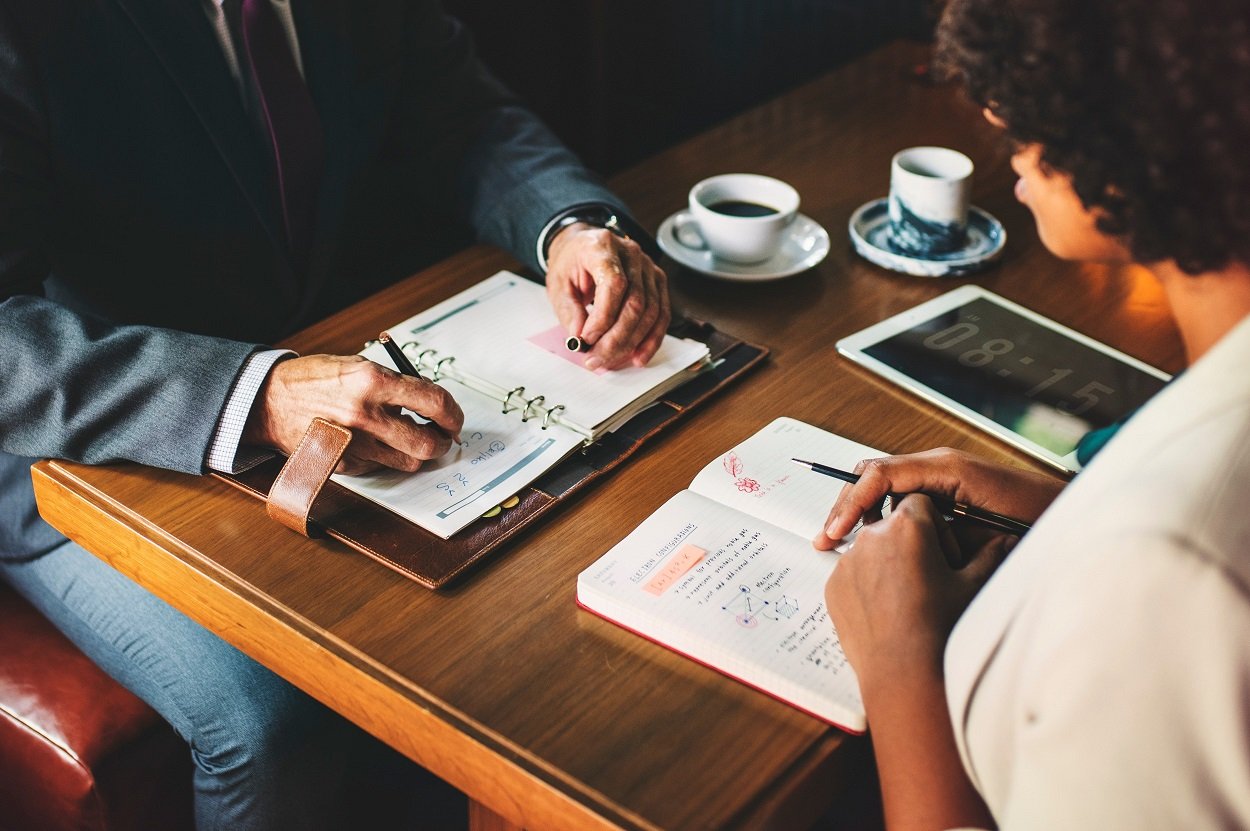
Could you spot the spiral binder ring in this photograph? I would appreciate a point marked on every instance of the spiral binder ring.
(421, 357)
(507, 399)
(550, 412)
(438, 367)
(529, 404)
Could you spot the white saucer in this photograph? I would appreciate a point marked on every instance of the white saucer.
(870, 234)
(805, 245)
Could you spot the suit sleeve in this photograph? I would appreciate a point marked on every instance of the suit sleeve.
(506, 172)
(77, 386)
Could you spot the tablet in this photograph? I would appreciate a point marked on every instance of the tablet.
(1032, 382)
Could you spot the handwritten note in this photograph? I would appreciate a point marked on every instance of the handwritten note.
(736, 593)
(500, 455)
(678, 564)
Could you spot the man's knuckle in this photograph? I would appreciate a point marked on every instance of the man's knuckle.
(873, 468)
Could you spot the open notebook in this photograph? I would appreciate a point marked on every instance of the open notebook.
(528, 401)
(725, 572)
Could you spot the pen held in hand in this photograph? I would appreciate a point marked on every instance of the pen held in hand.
(405, 367)
(989, 519)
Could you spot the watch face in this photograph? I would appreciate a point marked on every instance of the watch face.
(1036, 381)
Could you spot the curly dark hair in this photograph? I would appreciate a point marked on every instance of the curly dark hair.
(1145, 104)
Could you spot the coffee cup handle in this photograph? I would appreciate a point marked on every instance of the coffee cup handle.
(686, 228)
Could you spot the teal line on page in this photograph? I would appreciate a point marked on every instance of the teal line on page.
(461, 308)
(534, 454)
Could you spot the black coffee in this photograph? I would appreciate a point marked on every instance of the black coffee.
(736, 207)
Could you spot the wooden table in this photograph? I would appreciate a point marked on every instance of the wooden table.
(547, 716)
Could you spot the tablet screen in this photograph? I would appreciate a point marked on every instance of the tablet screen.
(1032, 380)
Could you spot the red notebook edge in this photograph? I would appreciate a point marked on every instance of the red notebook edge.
(844, 728)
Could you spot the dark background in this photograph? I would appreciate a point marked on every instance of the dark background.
(620, 81)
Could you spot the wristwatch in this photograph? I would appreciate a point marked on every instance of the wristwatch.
(599, 215)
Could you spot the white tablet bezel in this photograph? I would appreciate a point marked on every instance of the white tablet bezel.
(853, 346)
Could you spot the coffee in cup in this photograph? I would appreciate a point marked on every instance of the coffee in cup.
(739, 217)
(928, 204)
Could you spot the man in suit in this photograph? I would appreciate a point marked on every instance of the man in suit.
(185, 181)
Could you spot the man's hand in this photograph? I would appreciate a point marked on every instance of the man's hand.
(363, 396)
(588, 265)
(960, 476)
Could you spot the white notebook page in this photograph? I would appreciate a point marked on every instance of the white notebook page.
(488, 329)
(500, 456)
(736, 593)
(759, 478)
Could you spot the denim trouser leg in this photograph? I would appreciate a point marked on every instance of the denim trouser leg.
(266, 755)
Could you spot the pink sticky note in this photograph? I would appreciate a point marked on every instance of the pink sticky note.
(685, 559)
(553, 341)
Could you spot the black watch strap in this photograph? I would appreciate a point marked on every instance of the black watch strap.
(600, 216)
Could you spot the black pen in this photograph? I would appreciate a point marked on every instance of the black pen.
(989, 519)
(402, 363)
(405, 367)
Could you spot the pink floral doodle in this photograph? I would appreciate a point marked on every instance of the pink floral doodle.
(733, 466)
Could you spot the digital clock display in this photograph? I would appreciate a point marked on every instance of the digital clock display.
(1032, 380)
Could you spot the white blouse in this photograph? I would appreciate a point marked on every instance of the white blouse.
(1101, 679)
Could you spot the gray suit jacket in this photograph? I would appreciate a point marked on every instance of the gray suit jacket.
(141, 248)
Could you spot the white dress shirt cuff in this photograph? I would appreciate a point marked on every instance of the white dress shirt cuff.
(224, 453)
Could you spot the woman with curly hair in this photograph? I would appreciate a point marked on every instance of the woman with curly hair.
(1101, 677)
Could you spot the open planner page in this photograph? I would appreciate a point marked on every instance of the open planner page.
(504, 330)
(501, 455)
(759, 478)
(733, 592)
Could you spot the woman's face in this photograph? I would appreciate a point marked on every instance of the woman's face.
(1066, 227)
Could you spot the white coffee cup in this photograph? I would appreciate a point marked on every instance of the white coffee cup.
(928, 205)
(739, 217)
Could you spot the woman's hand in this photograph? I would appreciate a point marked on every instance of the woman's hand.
(960, 476)
(894, 596)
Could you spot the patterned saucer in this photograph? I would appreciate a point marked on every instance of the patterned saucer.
(870, 234)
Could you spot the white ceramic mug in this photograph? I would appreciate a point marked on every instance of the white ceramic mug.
(929, 191)
(739, 217)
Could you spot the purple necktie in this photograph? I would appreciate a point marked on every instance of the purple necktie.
(291, 118)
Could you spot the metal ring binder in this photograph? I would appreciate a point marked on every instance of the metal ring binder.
(529, 404)
(507, 399)
(550, 412)
(438, 367)
(421, 356)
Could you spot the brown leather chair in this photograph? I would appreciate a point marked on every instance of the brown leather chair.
(77, 750)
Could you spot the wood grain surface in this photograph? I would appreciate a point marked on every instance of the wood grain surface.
(547, 715)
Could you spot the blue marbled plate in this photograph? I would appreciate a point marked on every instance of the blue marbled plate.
(870, 234)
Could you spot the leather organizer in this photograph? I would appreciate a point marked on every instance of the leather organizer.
(300, 496)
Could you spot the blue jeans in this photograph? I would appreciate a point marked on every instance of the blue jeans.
(266, 755)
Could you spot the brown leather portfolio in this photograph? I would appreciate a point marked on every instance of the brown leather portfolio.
(300, 497)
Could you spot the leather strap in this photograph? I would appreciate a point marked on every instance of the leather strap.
(305, 474)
